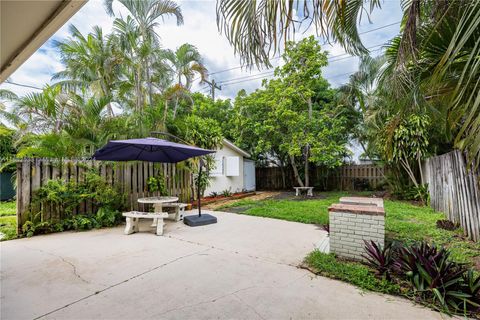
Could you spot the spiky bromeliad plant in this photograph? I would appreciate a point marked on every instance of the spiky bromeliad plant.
(450, 286)
(380, 259)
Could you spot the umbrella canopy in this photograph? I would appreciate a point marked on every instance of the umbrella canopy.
(148, 149)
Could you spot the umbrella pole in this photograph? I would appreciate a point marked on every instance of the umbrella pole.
(198, 189)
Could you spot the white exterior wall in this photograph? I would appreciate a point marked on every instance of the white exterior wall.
(219, 183)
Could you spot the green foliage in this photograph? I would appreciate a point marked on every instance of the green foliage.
(293, 119)
(63, 197)
(157, 183)
(409, 192)
(435, 278)
(201, 180)
(202, 132)
(7, 148)
(227, 193)
(361, 276)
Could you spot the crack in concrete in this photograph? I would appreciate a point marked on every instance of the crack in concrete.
(236, 252)
(203, 302)
(249, 306)
(234, 293)
(121, 282)
(74, 268)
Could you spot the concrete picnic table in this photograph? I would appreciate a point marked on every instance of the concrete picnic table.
(157, 204)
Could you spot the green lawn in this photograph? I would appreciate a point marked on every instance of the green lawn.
(8, 220)
(404, 221)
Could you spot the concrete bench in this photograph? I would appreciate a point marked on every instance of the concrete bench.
(298, 190)
(134, 216)
(179, 210)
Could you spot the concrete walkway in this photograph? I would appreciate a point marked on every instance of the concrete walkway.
(243, 267)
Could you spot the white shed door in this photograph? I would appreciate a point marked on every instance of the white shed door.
(249, 175)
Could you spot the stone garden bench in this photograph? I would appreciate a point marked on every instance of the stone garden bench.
(298, 190)
(134, 216)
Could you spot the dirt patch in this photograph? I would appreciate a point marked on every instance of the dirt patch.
(286, 195)
(261, 195)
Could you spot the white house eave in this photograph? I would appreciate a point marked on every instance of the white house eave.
(21, 36)
(237, 149)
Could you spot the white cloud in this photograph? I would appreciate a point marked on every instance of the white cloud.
(200, 29)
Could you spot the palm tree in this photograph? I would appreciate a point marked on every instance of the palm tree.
(358, 99)
(185, 63)
(256, 28)
(435, 64)
(91, 61)
(46, 111)
(145, 14)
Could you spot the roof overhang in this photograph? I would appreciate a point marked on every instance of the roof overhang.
(237, 149)
(26, 25)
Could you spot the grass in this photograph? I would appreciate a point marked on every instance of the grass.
(355, 273)
(8, 220)
(404, 221)
(310, 211)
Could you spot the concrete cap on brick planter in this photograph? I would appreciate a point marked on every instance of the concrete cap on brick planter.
(363, 201)
(357, 209)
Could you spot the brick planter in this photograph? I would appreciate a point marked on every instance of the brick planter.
(354, 220)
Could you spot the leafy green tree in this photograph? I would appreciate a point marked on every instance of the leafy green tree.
(292, 119)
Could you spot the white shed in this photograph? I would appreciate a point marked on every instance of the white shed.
(233, 170)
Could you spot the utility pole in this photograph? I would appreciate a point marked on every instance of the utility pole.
(213, 86)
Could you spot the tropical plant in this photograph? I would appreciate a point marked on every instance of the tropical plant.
(92, 62)
(142, 20)
(434, 277)
(255, 28)
(185, 63)
(380, 259)
(157, 184)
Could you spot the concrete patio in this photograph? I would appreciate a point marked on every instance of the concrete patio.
(243, 267)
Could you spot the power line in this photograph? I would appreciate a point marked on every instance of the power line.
(23, 85)
(324, 43)
(271, 71)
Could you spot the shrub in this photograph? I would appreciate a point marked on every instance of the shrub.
(157, 184)
(434, 277)
(63, 197)
(227, 193)
(380, 259)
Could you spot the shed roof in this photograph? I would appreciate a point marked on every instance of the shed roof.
(237, 149)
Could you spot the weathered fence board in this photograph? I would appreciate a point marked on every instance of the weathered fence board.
(454, 190)
(343, 178)
(129, 177)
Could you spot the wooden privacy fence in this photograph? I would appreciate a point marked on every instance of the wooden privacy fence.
(129, 177)
(454, 190)
(348, 177)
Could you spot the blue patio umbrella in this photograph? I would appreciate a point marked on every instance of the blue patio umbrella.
(148, 149)
(156, 150)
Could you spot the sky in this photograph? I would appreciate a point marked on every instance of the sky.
(200, 29)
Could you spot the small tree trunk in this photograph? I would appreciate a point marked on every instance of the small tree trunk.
(307, 147)
(307, 167)
(295, 172)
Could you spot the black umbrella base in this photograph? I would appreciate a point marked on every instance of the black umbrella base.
(196, 221)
